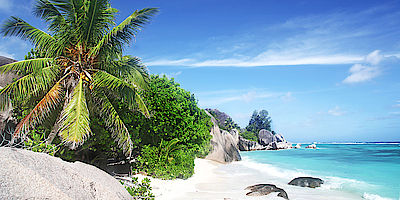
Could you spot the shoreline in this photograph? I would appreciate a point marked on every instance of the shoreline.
(213, 180)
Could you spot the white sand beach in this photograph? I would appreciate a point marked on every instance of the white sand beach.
(213, 180)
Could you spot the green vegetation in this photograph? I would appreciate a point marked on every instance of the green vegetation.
(224, 121)
(248, 135)
(140, 190)
(259, 120)
(77, 84)
(176, 133)
(80, 67)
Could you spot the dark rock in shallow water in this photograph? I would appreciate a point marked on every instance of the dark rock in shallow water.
(247, 145)
(265, 137)
(265, 189)
(307, 182)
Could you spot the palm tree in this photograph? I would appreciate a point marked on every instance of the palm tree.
(81, 71)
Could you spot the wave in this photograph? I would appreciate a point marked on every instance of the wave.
(270, 169)
(369, 196)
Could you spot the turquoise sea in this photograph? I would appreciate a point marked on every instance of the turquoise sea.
(370, 170)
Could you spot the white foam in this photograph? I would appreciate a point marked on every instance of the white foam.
(374, 197)
(271, 170)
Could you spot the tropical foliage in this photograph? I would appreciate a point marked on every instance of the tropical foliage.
(177, 132)
(224, 121)
(259, 120)
(78, 70)
(139, 190)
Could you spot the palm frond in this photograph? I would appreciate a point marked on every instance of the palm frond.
(50, 13)
(75, 122)
(39, 113)
(98, 19)
(46, 10)
(126, 91)
(141, 105)
(15, 26)
(114, 123)
(26, 66)
(130, 69)
(126, 30)
(32, 84)
(5, 101)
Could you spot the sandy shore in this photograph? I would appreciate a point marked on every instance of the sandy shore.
(213, 180)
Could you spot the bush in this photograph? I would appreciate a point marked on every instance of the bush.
(174, 115)
(139, 190)
(248, 135)
(36, 142)
(167, 161)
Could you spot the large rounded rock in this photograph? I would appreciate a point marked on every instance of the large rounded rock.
(265, 137)
(279, 138)
(247, 145)
(29, 175)
(224, 145)
(307, 182)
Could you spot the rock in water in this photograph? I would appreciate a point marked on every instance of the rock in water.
(265, 189)
(30, 175)
(247, 145)
(224, 145)
(307, 182)
(265, 137)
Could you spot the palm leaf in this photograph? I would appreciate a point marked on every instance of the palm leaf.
(31, 84)
(126, 91)
(114, 123)
(127, 29)
(131, 70)
(26, 66)
(49, 11)
(98, 19)
(39, 113)
(5, 101)
(75, 122)
(15, 26)
(141, 105)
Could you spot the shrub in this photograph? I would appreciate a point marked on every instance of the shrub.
(139, 190)
(249, 135)
(167, 161)
(174, 115)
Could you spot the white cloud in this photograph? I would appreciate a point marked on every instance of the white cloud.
(308, 40)
(167, 62)
(215, 98)
(269, 58)
(397, 105)
(288, 97)
(172, 74)
(366, 71)
(361, 73)
(374, 57)
(5, 5)
(336, 111)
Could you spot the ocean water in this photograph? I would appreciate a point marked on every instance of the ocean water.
(368, 171)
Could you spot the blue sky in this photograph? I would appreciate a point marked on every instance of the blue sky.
(325, 70)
